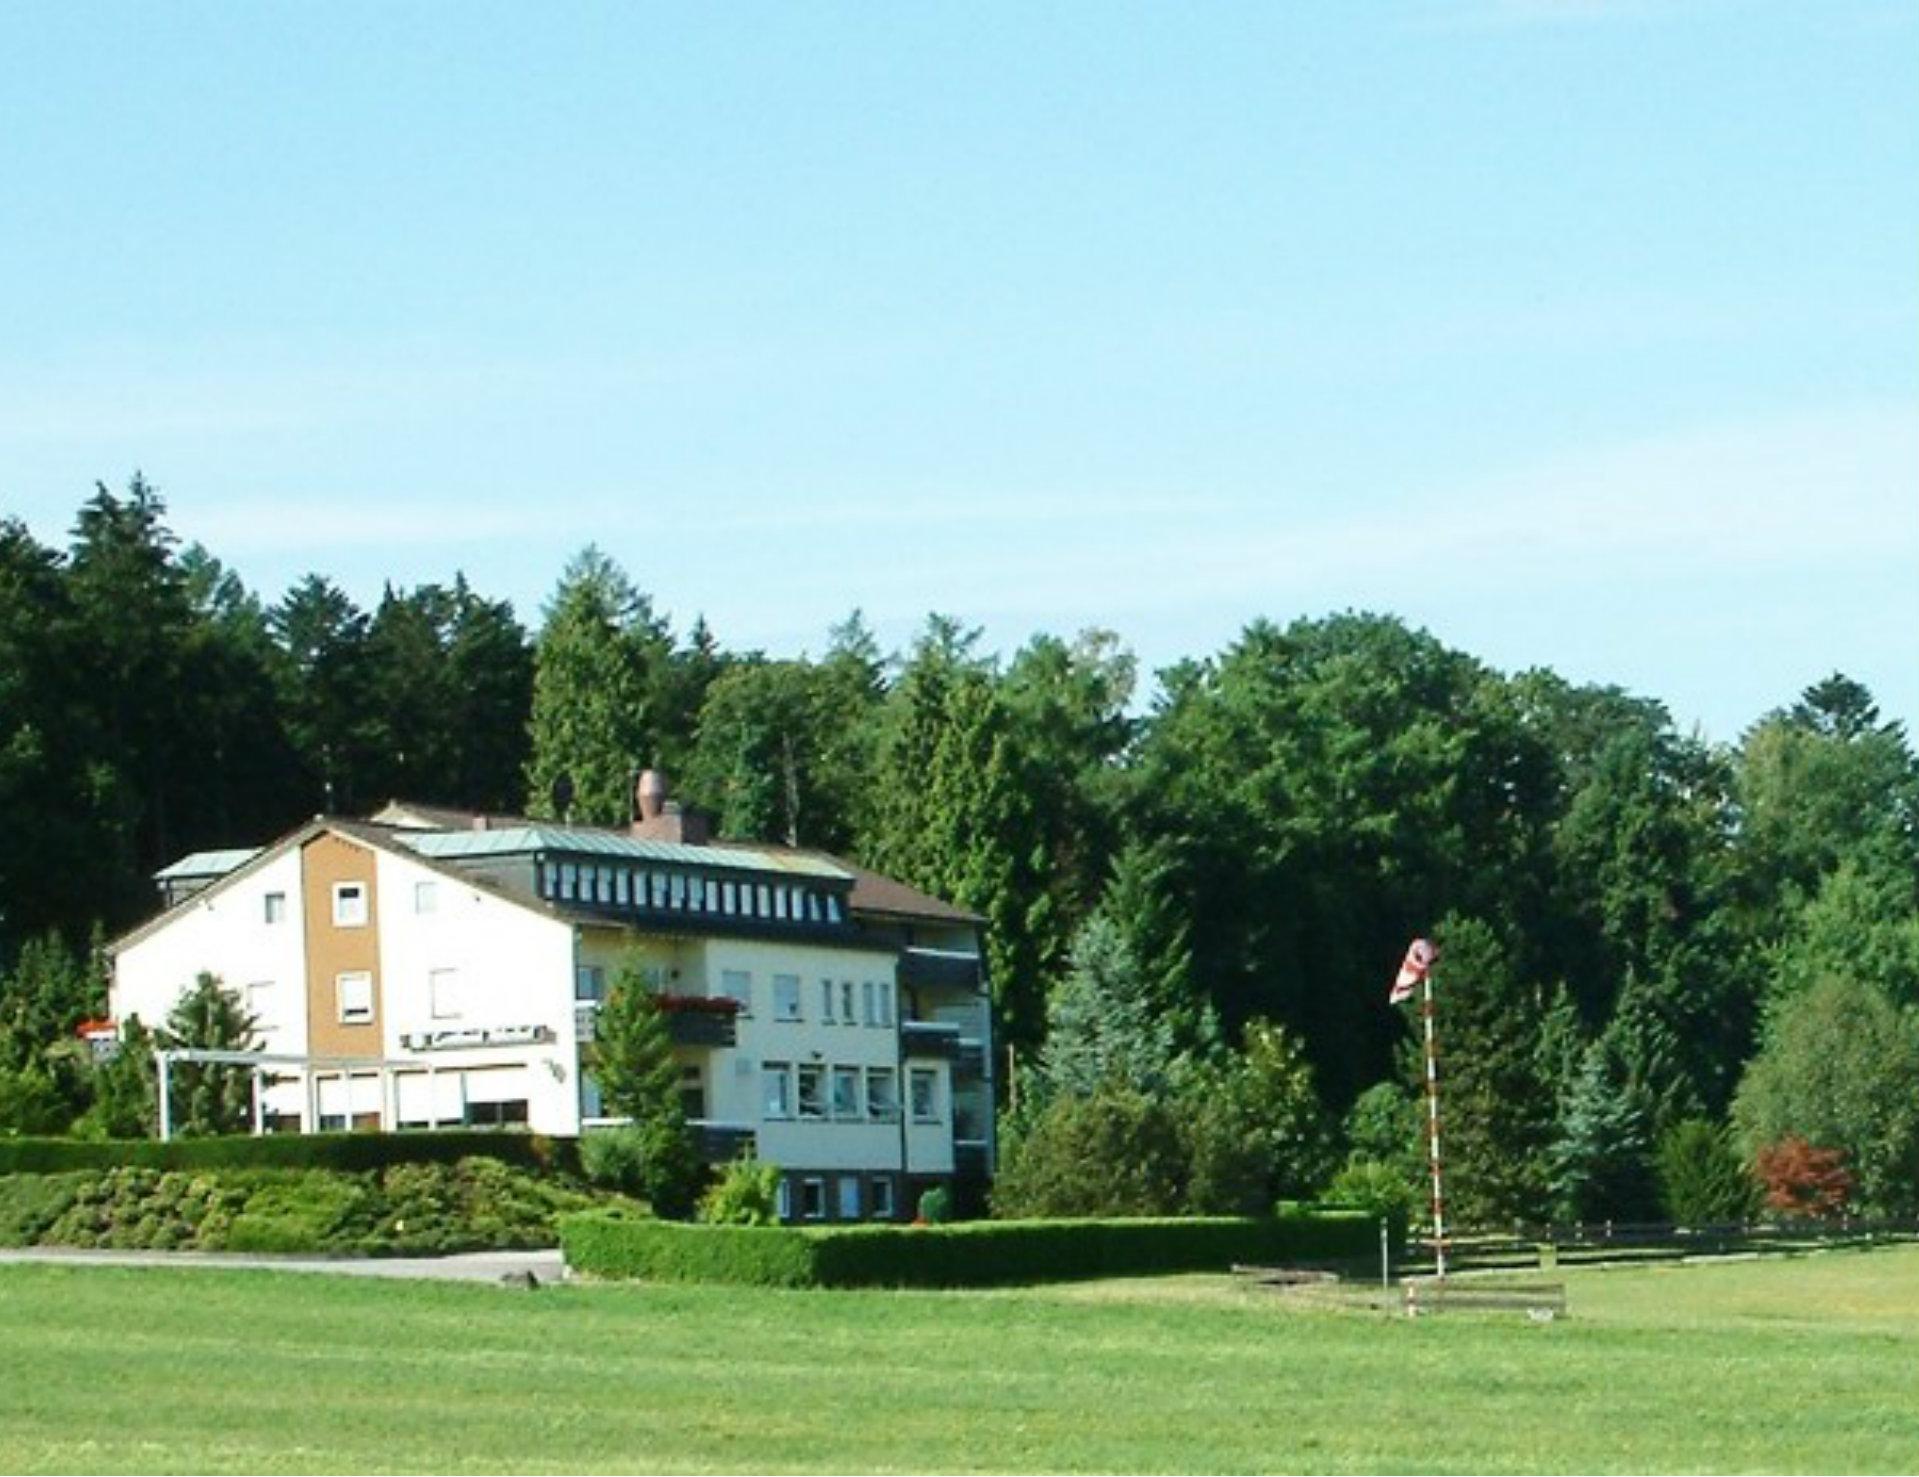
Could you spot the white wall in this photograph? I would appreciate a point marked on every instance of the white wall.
(226, 933)
(511, 967)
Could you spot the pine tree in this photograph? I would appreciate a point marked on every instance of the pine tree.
(1102, 1029)
(597, 669)
(639, 1079)
(204, 1097)
(1599, 1164)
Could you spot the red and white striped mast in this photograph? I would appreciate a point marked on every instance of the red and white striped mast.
(1418, 970)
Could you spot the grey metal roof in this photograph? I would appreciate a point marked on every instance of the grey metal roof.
(581, 841)
(207, 864)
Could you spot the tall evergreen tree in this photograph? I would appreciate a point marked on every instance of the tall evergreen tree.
(597, 673)
(322, 637)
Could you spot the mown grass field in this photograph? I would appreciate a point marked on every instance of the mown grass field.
(1794, 1365)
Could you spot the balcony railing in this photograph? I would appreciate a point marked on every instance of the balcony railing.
(930, 1038)
(691, 1020)
(721, 1143)
(939, 968)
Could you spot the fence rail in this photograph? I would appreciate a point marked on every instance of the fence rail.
(1551, 1245)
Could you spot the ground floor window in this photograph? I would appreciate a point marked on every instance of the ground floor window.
(882, 1197)
(849, 1206)
(496, 1115)
(813, 1199)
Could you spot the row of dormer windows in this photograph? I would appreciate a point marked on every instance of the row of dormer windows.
(683, 892)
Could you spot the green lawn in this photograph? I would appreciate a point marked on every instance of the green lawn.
(1803, 1365)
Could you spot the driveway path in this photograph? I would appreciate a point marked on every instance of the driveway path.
(478, 1266)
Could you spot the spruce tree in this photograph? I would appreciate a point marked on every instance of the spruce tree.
(639, 1079)
(205, 1097)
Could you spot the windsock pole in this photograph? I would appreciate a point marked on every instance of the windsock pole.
(1432, 1126)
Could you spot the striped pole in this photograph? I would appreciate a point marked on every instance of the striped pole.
(1432, 1127)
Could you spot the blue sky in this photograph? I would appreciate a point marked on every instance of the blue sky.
(1584, 332)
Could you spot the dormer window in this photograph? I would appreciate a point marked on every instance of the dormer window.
(349, 904)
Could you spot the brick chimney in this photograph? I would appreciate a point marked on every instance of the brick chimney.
(661, 819)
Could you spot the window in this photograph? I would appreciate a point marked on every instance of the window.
(676, 891)
(737, 984)
(426, 897)
(657, 886)
(763, 901)
(832, 908)
(443, 994)
(776, 1086)
(849, 1206)
(813, 1199)
(259, 999)
(869, 1012)
(692, 1092)
(729, 897)
(354, 994)
(349, 905)
(846, 1004)
(779, 902)
(622, 893)
(496, 1115)
(603, 883)
(786, 997)
(812, 906)
(276, 907)
(926, 1095)
(846, 1092)
(884, 989)
(826, 1001)
(589, 982)
(882, 1197)
(882, 1094)
(812, 1090)
(783, 1202)
(569, 880)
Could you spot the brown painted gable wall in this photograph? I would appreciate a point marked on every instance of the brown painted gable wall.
(333, 950)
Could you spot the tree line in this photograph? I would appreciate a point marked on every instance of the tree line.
(1642, 931)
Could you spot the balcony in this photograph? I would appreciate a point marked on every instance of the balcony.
(721, 1143)
(930, 1038)
(939, 969)
(691, 1020)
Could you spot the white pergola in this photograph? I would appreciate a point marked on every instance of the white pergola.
(311, 1070)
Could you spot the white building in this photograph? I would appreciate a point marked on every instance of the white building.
(431, 967)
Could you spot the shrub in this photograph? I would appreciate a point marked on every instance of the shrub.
(31, 1102)
(1378, 1189)
(977, 1253)
(337, 1151)
(1115, 1153)
(1702, 1181)
(613, 1158)
(936, 1206)
(1801, 1180)
(747, 1193)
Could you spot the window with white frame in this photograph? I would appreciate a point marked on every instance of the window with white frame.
(783, 1201)
(776, 1089)
(882, 1197)
(884, 989)
(847, 1017)
(353, 993)
(443, 994)
(786, 997)
(848, 1208)
(259, 1001)
(349, 905)
(812, 1090)
(925, 1085)
(276, 907)
(846, 1093)
(813, 1198)
(737, 984)
(426, 897)
(826, 1002)
(868, 1010)
(882, 1094)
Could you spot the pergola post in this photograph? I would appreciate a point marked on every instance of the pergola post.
(165, 1060)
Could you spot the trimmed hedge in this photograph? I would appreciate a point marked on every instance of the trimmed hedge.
(972, 1254)
(346, 1152)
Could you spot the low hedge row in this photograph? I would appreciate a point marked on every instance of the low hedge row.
(346, 1152)
(420, 1209)
(971, 1254)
